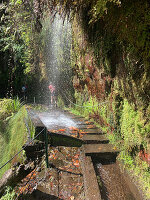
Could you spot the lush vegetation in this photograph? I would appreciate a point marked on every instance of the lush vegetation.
(126, 129)
(109, 28)
(19, 48)
(110, 54)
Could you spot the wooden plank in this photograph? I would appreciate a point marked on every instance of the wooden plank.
(99, 149)
(95, 139)
(91, 187)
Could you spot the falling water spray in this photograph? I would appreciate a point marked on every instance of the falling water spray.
(58, 52)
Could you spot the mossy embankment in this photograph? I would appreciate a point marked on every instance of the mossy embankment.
(13, 132)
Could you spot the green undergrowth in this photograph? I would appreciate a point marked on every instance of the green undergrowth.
(133, 134)
(13, 132)
(9, 194)
(60, 103)
(84, 108)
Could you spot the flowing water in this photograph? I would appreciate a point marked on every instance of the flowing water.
(112, 183)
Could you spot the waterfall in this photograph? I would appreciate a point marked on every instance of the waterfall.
(57, 51)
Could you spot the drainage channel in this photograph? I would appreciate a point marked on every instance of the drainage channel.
(111, 181)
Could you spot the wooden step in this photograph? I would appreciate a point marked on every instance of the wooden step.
(100, 149)
(95, 139)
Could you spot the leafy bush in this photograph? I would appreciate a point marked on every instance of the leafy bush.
(133, 130)
(126, 128)
(138, 170)
(60, 102)
(8, 107)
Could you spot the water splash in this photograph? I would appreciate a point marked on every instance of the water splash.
(56, 119)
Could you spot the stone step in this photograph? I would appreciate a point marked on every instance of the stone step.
(56, 139)
(86, 122)
(95, 139)
(86, 126)
(37, 122)
(73, 116)
(100, 149)
(94, 131)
